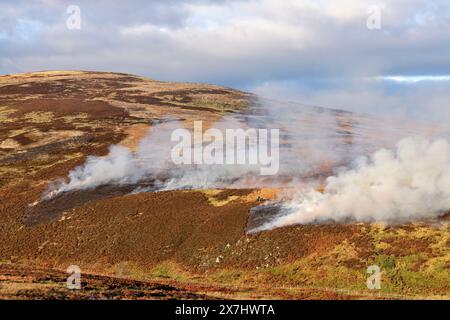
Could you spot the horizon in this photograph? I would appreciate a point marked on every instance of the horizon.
(360, 56)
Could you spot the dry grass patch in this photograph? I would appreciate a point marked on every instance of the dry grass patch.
(39, 117)
(5, 115)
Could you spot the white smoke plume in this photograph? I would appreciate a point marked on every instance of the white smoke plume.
(393, 186)
(307, 131)
(121, 166)
(152, 161)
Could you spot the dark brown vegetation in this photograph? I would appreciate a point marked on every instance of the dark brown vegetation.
(174, 244)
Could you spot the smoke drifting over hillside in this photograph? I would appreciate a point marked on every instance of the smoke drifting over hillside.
(304, 150)
(152, 162)
(412, 182)
(121, 166)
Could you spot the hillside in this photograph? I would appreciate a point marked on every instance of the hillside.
(180, 243)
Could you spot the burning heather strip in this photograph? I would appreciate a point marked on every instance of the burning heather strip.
(412, 182)
(121, 166)
(309, 142)
(236, 155)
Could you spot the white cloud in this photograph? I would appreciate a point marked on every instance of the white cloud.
(415, 79)
(142, 30)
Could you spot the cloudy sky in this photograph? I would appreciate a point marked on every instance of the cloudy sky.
(390, 57)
